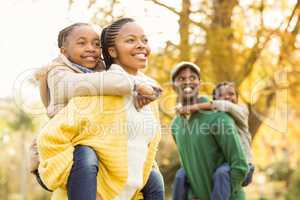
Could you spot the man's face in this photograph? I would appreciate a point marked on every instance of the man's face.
(227, 92)
(186, 84)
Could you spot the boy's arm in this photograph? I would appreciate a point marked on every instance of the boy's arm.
(239, 113)
(204, 106)
(69, 84)
(183, 110)
(228, 140)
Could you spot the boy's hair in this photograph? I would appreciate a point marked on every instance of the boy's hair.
(64, 33)
(219, 85)
(108, 37)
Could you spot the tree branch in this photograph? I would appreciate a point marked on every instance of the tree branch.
(255, 53)
(199, 24)
(172, 9)
(287, 44)
(292, 15)
(257, 48)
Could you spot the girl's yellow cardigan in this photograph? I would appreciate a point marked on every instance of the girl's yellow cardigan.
(99, 122)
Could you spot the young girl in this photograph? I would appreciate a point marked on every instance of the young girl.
(124, 139)
(225, 98)
(76, 72)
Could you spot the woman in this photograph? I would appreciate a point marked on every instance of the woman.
(78, 71)
(124, 139)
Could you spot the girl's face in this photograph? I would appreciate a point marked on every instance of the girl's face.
(82, 46)
(131, 48)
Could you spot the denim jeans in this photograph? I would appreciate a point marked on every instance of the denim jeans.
(82, 182)
(221, 183)
(154, 188)
(180, 186)
(221, 179)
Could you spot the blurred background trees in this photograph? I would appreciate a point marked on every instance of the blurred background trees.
(253, 43)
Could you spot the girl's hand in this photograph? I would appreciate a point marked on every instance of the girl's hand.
(98, 197)
(34, 156)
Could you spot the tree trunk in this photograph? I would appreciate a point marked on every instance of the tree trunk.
(184, 26)
(220, 40)
(261, 108)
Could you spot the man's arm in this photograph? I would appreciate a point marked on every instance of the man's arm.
(239, 113)
(174, 126)
(228, 140)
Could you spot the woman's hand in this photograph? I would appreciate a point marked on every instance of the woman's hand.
(144, 90)
(140, 101)
(145, 94)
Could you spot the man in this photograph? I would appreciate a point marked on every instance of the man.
(205, 140)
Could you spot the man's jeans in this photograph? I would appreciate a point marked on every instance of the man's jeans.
(154, 188)
(82, 182)
(221, 178)
(180, 186)
(221, 183)
(221, 187)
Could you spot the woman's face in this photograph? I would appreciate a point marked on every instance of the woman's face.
(82, 47)
(131, 49)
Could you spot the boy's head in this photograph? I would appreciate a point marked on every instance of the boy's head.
(185, 77)
(80, 43)
(225, 91)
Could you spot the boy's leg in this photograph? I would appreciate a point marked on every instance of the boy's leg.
(221, 183)
(248, 178)
(154, 188)
(82, 182)
(180, 186)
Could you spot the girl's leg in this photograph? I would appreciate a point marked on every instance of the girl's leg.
(180, 186)
(154, 188)
(221, 183)
(82, 182)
